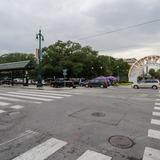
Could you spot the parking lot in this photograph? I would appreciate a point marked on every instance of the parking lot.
(116, 123)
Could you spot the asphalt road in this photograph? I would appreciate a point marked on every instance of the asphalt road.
(79, 124)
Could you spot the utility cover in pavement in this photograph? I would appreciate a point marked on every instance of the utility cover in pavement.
(98, 114)
(121, 142)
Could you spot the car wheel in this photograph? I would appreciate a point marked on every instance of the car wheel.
(136, 87)
(154, 87)
(86, 86)
(102, 86)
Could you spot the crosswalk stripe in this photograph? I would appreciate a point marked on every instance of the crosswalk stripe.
(35, 95)
(47, 91)
(157, 104)
(26, 134)
(18, 100)
(154, 134)
(26, 97)
(4, 104)
(156, 113)
(2, 111)
(91, 155)
(11, 99)
(157, 99)
(151, 154)
(155, 121)
(43, 150)
(44, 93)
(17, 107)
(157, 108)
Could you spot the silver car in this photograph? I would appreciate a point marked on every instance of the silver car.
(155, 84)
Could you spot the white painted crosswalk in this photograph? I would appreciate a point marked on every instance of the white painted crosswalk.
(157, 108)
(4, 104)
(42, 151)
(2, 111)
(35, 95)
(91, 155)
(25, 97)
(151, 154)
(32, 96)
(157, 104)
(29, 96)
(154, 134)
(155, 121)
(50, 147)
(156, 114)
(17, 107)
(46, 93)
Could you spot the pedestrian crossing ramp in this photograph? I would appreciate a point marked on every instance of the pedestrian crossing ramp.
(44, 150)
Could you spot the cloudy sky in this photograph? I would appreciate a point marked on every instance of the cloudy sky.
(81, 21)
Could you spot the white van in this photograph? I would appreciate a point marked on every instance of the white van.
(155, 84)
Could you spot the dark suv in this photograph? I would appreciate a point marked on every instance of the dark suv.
(62, 83)
(97, 83)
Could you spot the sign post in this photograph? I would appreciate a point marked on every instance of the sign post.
(64, 74)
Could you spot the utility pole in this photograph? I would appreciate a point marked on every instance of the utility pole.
(39, 37)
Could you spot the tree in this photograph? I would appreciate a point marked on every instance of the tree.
(152, 73)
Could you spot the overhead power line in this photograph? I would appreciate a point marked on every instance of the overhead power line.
(120, 29)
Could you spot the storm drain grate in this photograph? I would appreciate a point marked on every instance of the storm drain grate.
(98, 114)
(122, 142)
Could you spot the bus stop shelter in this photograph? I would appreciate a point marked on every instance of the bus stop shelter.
(15, 70)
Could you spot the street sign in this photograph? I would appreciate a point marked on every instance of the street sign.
(64, 72)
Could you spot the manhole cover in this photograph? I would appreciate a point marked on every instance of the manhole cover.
(98, 114)
(121, 142)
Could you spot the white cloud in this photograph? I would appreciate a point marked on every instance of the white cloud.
(71, 20)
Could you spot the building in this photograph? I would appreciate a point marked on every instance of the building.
(130, 61)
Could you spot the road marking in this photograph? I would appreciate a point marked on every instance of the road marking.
(18, 100)
(17, 107)
(11, 99)
(55, 94)
(154, 134)
(91, 155)
(2, 111)
(157, 99)
(151, 154)
(156, 113)
(157, 108)
(35, 95)
(157, 104)
(25, 97)
(43, 150)
(155, 121)
(24, 135)
(46, 91)
(4, 104)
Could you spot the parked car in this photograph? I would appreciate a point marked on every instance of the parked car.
(97, 83)
(155, 84)
(62, 83)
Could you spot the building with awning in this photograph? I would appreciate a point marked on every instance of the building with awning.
(15, 69)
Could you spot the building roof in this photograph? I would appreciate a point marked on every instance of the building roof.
(21, 65)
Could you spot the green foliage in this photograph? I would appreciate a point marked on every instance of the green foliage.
(79, 62)
(152, 72)
(15, 57)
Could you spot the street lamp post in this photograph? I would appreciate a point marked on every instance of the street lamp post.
(39, 37)
(118, 73)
